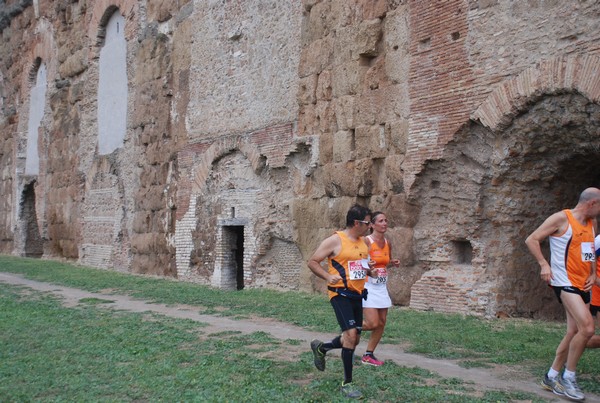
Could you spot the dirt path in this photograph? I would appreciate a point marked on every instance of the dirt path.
(498, 378)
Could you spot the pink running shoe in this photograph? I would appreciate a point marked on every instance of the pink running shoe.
(371, 360)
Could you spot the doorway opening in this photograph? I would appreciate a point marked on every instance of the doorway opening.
(34, 246)
(234, 257)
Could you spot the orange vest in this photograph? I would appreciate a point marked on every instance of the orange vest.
(349, 264)
(572, 254)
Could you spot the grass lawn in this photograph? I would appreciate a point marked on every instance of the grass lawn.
(54, 353)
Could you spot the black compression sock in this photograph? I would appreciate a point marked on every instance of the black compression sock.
(333, 344)
(348, 361)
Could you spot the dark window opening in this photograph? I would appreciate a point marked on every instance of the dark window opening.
(463, 252)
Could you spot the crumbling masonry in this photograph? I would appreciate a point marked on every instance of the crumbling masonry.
(219, 141)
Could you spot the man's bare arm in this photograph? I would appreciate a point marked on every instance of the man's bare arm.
(553, 225)
(326, 249)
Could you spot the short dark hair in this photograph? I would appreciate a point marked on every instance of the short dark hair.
(356, 212)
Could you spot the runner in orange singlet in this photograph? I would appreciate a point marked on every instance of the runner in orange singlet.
(375, 308)
(348, 266)
(571, 273)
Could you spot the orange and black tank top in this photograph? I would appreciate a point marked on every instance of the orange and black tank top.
(349, 264)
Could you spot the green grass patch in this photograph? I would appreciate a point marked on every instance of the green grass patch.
(54, 353)
(95, 301)
(473, 342)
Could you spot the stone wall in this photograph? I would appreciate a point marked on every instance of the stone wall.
(253, 126)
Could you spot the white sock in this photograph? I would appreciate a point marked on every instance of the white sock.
(569, 374)
(552, 373)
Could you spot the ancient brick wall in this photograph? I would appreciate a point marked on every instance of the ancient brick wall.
(107, 211)
(253, 126)
(426, 71)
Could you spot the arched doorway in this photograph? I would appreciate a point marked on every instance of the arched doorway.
(490, 190)
(243, 231)
(551, 153)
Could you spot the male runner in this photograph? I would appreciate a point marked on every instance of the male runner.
(571, 273)
(348, 266)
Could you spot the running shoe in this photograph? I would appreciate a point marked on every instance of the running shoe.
(571, 389)
(552, 385)
(319, 356)
(371, 360)
(350, 391)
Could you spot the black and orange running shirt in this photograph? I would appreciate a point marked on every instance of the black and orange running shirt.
(351, 264)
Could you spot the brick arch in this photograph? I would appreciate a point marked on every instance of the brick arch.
(37, 62)
(103, 10)
(579, 73)
(43, 50)
(187, 222)
(221, 148)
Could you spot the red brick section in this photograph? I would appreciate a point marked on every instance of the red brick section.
(437, 294)
(571, 73)
(274, 143)
(440, 77)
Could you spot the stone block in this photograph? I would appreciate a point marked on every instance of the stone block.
(402, 212)
(366, 177)
(141, 222)
(336, 214)
(367, 39)
(152, 59)
(152, 198)
(306, 120)
(68, 249)
(487, 3)
(369, 142)
(316, 57)
(160, 11)
(344, 112)
(343, 43)
(147, 176)
(148, 244)
(318, 22)
(74, 64)
(371, 9)
(324, 90)
(326, 117)
(325, 148)
(393, 101)
(394, 175)
(339, 180)
(343, 146)
(400, 282)
(307, 90)
(402, 242)
(366, 108)
(347, 77)
(309, 4)
(398, 136)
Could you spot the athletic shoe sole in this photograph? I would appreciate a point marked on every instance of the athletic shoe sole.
(319, 357)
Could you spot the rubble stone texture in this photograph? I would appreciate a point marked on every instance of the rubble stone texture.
(252, 127)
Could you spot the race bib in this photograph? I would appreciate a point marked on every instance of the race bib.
(357, 269)
(587, 252)
(382, 277)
